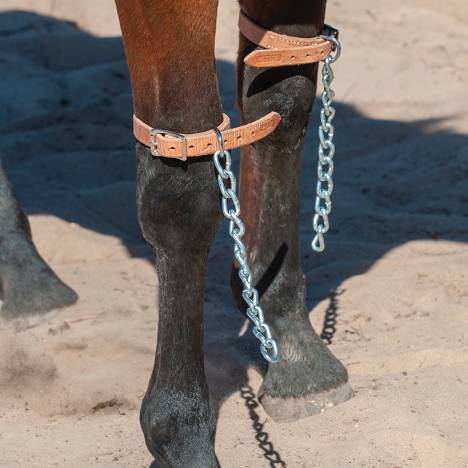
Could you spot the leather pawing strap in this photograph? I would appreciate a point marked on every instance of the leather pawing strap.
(182, 146)
(280, 50)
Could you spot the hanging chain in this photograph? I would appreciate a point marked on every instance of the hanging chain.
(222, 162)
(326, 150)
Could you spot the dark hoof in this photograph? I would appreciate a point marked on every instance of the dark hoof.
(307, 380)
(27, 284)
(41, 292)
(155, 464)
(292, 409)
(179, 428)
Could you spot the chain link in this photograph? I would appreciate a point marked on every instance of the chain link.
(231, 211)
(326, 151)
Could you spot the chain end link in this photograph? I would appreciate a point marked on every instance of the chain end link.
(270, 354)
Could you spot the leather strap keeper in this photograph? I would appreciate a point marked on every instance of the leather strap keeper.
(182, 146)
(280, 50)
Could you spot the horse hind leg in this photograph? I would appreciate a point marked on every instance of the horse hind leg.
(309, 377)
(174, 87)
(27, 284)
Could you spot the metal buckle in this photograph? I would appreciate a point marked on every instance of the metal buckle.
(330, 31)
(180, 136)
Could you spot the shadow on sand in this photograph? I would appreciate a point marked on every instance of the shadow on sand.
(66, 144)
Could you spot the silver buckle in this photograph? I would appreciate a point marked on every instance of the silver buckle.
(154, 145)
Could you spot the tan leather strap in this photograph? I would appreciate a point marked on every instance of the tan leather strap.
(182, 146)
(280, 50)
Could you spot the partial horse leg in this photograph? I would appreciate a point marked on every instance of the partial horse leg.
(27, 283)
(308, 378)
(170, 51)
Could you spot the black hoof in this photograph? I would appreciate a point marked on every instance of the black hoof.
(307, 380)
(27, 284)
(291, 409)
(179, 430)
(39, 291)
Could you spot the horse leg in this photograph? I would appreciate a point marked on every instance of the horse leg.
(27, 283)
(308, 378)
(170, 52)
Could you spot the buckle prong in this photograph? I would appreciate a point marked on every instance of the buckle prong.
(154, 145)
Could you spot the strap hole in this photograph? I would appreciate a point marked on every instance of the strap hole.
(191, 147)
(293, 57)
(172, 148)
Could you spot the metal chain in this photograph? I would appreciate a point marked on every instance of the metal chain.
(326, 151)
(222, 162)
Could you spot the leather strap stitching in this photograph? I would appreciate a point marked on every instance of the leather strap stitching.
(281, 50)
(183, 146)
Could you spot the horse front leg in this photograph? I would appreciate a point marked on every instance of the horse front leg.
(308, 378)
(179, 216)
(169, 46)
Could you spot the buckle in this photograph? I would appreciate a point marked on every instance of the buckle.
(330, 31)
(180, 136)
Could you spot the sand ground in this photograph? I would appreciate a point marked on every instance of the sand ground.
(395, 271)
